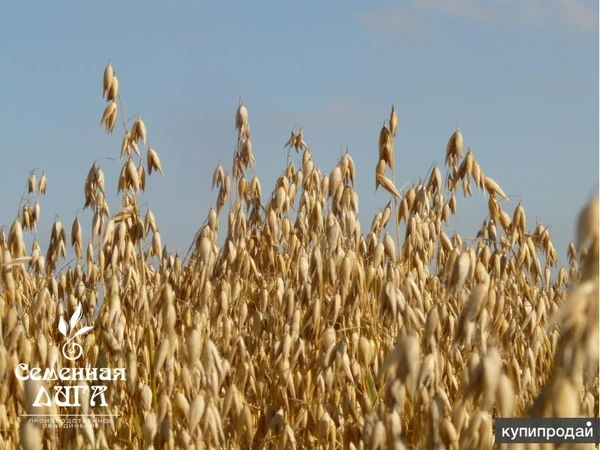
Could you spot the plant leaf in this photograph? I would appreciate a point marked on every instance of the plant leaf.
(371, 387)
(62, 326)
(76, 316)
(83, 330)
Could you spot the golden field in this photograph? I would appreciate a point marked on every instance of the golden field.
(302, 329)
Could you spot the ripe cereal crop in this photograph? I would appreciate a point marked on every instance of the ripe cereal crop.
(302, 329)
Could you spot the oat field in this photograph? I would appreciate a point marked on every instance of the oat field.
(302, 329)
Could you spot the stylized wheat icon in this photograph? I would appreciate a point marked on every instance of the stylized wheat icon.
(66, 329)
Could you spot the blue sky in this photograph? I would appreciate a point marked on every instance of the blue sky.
(519, 77)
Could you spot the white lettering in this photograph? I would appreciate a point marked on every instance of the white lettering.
(19, 372)
(50, 375)
(570, 433)
(98, 391)
(42, 394)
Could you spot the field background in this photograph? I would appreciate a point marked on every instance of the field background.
(378, 278)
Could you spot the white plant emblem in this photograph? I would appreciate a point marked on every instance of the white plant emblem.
(65, 329)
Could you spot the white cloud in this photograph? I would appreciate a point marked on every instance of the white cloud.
(578, 14)
(492, 12)
(337, 111)
(332, 112)
(389, 21)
